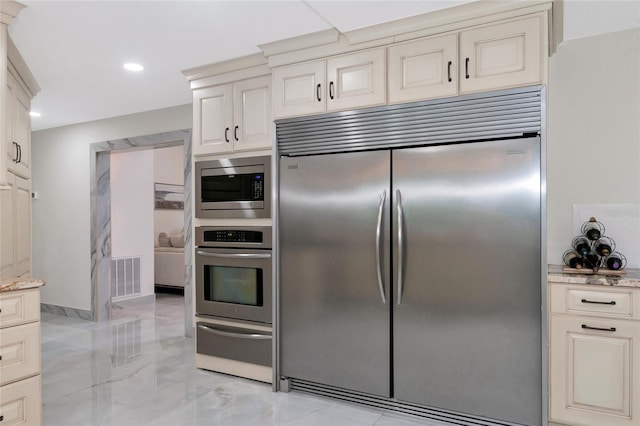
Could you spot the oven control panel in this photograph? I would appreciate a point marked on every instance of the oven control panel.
(233, 236)
(229, 237)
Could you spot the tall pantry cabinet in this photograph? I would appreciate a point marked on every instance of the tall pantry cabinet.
(17, 88)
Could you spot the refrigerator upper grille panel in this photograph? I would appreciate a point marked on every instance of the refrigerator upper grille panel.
(500, 114)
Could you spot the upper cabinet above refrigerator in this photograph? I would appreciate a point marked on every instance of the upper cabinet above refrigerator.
(355, 80)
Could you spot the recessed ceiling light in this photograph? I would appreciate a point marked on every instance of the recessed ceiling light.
(35, 114)
(133, 66)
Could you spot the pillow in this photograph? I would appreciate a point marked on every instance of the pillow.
(177, 240)
(163, 240)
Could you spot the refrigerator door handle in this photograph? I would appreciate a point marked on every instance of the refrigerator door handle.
(400, 212)
(383, 197)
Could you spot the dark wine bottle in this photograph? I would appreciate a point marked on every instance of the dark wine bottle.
(581, 245)
(616, 261)
(592, 229)
(572, 259)
(592, 260)
(604, 246)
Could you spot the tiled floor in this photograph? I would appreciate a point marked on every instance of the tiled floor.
(138, 369)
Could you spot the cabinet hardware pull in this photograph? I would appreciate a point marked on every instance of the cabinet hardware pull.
(466, 67)
(19, 153)
(1, 418)
(331, 89)
(235, 133)
(596, 302)
(449, 71)
(318, 93)
(226, 134)
(586, 327)
(15, 160)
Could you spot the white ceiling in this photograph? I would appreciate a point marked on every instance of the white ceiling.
(76, 49)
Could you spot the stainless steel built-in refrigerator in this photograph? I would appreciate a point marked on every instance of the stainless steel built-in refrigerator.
(414, 274)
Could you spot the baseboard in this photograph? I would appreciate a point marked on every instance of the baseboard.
(66, 312)
(140, 300)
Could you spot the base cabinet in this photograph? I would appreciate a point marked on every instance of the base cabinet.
(594, 366)
(20, 362)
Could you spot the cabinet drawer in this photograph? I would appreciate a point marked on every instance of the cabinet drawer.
(19, 307)
(584, 301)
(19, 352)
(21, 403)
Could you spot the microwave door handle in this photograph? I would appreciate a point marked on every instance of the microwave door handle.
(254, 336)
(225, 171)
(235, 255)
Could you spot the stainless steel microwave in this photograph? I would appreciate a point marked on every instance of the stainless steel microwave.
(233, 188)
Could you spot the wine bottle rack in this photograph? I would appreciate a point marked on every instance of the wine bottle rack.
(593, 252)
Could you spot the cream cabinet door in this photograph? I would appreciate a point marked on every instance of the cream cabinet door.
(594, 371)
(7, 222)
(252, 114)
(213, 120)
(22, 224)
(501, 55)
(20, 128)
(423, 69)
(299, 89)
(357, 80)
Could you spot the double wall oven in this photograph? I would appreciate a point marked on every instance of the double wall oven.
(234, 299)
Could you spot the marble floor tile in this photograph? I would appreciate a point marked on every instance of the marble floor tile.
(139, 369)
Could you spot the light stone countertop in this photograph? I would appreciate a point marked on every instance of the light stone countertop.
(630, 279)
(14, 284)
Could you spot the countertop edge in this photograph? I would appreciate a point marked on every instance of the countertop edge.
(630, 279)
(16, 284)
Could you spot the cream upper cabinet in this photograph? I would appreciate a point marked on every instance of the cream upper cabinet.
(501, 55)
(423, 69)
(299, 89)
(232, 117)
(356, 80)
(594, 356)
(213, 108)
(350, 81)
(252, 114)
(18, 148)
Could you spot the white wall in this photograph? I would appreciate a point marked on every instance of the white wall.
(132, 211)
(168, 167)
(593, 134)
(61, 222)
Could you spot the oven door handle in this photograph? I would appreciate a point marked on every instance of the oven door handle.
(254, 336)
(235, 255)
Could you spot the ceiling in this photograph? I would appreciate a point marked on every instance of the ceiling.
(76, 49)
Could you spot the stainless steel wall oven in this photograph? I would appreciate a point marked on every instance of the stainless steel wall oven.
(233, 300)
(233, 276)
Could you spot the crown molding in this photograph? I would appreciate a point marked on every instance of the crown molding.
(306, 41)
(21, 68)
(9, 9)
